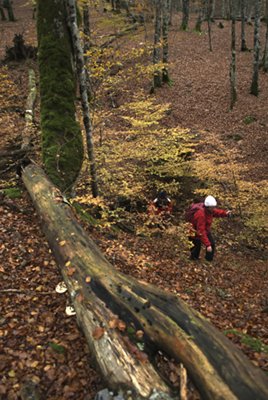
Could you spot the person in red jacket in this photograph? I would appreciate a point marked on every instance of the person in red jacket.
(161, 205)
(201, 221)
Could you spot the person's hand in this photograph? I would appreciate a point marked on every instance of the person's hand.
(229, 214)
(209, 249)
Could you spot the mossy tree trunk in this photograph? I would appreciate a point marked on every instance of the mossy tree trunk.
(62, 146)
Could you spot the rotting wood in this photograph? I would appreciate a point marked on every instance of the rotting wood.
(124, 32)
(216, 366)
(183, 383)
(29, 112)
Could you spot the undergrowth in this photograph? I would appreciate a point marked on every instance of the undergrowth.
(140, 155)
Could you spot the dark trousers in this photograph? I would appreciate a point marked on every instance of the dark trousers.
(195, 250)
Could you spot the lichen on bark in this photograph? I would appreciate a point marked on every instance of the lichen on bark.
(62, 146)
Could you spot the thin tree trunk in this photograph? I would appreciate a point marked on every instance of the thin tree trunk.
(223, 9)
(254, 89)
(29, 112)
(86, 27)
(165, 29)
(8, 6)
(86, 31)
(233, 62)
(200, 18)
(83, 92)
(157, 81)
(249, 8)
(3, 17)
(185, 15)
(243, 24)
(265, 53)
(209, 12)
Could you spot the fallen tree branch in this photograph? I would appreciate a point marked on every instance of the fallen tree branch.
(26, 292)
(29, 112)
(119, 34)
(99, 294)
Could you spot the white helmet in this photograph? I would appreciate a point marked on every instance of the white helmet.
(210, 201)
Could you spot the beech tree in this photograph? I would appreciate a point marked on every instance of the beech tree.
(82, 77)
(185, 15)
(233, 61)
(209, 14)
(161, 26)
(62, 146)
(243, 23)
(165, 29)
(6, 4)
(254, 89)
(157, 38)
(265, 53)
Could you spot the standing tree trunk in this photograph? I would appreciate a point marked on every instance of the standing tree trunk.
(62, 146)
(265, 53)
(8, 6)
(200, 17)
(157, 81)
(165, 29)
(254, 89)
(83, 92)
(223, 9)
(3, 17)
(243, 23)
(249, 8)
(233, 61)
(209, 13)
(86, 27)
(185, 15)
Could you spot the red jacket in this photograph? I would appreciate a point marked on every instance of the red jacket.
(202, 221)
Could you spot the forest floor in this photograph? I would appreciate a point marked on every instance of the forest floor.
(37, 339)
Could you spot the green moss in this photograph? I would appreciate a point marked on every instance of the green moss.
(249, 341)
(85, 216)
(62, 146)
(249, 119)
(12, 193)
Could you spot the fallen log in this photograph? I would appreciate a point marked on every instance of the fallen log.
(100, 293)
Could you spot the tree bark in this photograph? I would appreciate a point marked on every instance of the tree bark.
(185, 15)
(157, 37)
(81, 71)
(254, 89)
(98, 292)
(29, 112)
(8, 6)
(165, 29)
(62, 144)
(243, 23)
(265, 52)
(209, 13)
(233, 61)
